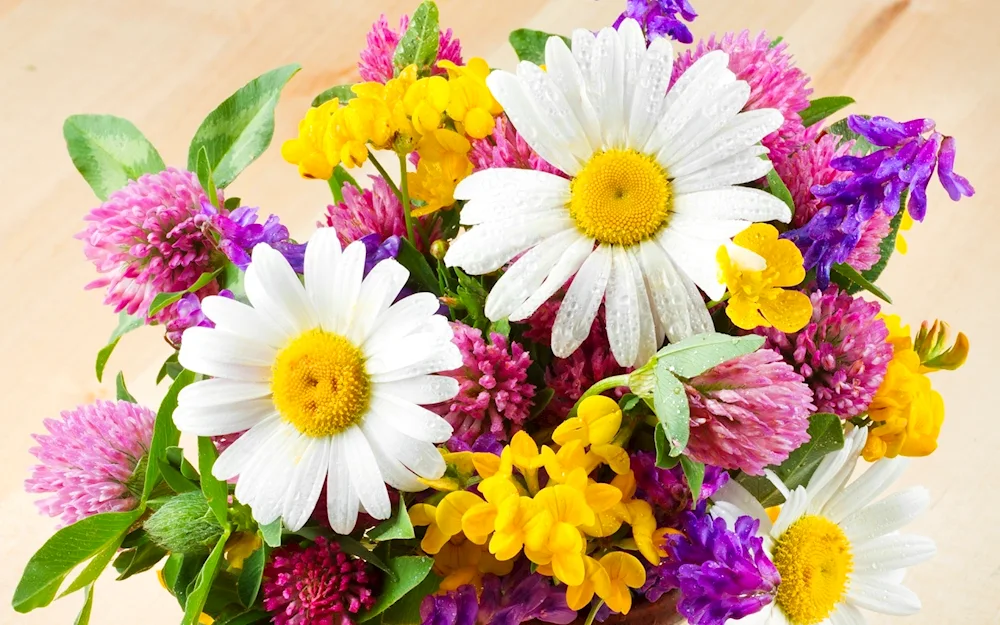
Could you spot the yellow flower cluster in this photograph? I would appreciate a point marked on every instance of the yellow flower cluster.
(471, 534)
(754, 269)
(906, 411)
(435, 116)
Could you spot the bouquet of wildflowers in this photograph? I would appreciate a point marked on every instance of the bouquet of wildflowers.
(602, 340)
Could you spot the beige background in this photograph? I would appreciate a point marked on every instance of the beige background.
(164, 65)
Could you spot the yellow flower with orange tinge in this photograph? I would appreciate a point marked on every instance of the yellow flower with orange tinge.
(755, 267)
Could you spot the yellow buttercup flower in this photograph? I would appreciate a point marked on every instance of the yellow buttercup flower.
(596, 422)
(306, 150)
(444, 162)
(471, 104)
(754, 268)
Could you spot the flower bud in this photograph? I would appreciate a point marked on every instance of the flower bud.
(439, 248)
(933, 345)
(184, 524)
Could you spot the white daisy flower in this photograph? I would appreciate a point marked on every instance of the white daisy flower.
(651, 185)
(328, 378)
(836, 551)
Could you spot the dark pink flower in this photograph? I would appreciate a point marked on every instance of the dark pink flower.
(506, 148)
(376, 59)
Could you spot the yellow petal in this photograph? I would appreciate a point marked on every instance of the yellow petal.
(618, 597)
(524, 451)
(568, 568)
(788, 311)
(577, 597)
(433, 540)
(452, 508)
(422, 514)
(537, 530)
(497, 488)
(615, 457)
(603, 418)
(568, 430)
(461, 459)
(478, 123)
(601, 497)
(479, 521)
(624, 567)
(743, 312)
(486, 464)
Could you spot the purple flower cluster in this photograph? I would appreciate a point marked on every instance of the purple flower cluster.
(906, 162)
(510, 600)
(661, 18)
(722, 574)
(667, 489)
(186, 313)
(239, 232)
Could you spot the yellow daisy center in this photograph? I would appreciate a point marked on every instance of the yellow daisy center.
(620, 197)
(814, 559)
(320, 384)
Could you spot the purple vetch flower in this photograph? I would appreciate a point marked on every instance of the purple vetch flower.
(667, 489)
(516, 598)
(660, 18)
(906, 161)
(186, 313)
(90, 460)
(458, 607)
(486, 443)
(721, 573)
(377, 250)
(239, 232)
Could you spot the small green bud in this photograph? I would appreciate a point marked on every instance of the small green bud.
(185, 524)
(439, 248)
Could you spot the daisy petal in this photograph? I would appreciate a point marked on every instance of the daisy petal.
(745, 166)
(341, 501)
(307, 483)
(551, 104)
(606, 86)
(878, 595)
(887, 515)
(273, 287)
(410, 419)
(696, 257)
(569, 263)
(513, 95)
(736, 494)
(219, 354)
(424, 389)
(402, 318)
(650, 88)
(711, 115)
(495, 194)
(240, 455)
(621, 309)
(378, 290)
(633, 44)
(676, 300)
(872, 483)
(483, 250)
(237, 318)
(847, 614)
(741, 132)
(579, 306)
(566, 74)
(218, 391)
(418, 456)
(265, 486)
(732, 203)
(225, 418)
(393, 471)
(525, 276)
(346, 286)
(896, 551)
(365, 475)
(322, 258)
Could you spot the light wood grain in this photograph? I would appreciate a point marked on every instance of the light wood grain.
(164, 65)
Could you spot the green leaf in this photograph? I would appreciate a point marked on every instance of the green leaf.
(861, 147)
(406, 611)
(162, 300)
(95, 567)
(847, 277)
(240, 129)
(232, 203)
(174, 479)
(338, 179)
(341, 92)
(251, 617)
(408, 572)
(83, 618)
(126, 323)
(663, 458)
(701, 352)
(138, 559)
(165, 433)
(171, 367)
(419, 45)
(694, 473)
(530, 44)
(175, 456)
(541, 401)
(888, 244)
(352, 547)
(672, 410)
(253, 570)
(204, 172)
(179, 573)
(109, 151)
(203, 583)
(60, 554)
(121, 391)
(214, 489)
(826, 435)
(779, 189)
(501, 327)
(420, 272)
(397, 527)
(821, 108)
(271, 533)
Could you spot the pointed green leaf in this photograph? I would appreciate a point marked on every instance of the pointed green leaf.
(694, 473)
(203, 583)
(204, 172)
(241, 128)
(83, 618)
(250, 577)
(419, 44)
(420, 272)
(341, 92)
(165, 433)
(406, 611)
(821, 108)
(126, 323)
(271, 533)
(672, 410)
(214, 489)
(68, 548)
(171, 367)
(826, 435)
(162, 300)
(397, 527)
(408, 572)
(529, 45)
(701, 352)
(109, 151)
(138, 559)
(663, 458)
(352, 547)
(95, 567)
(121, 391)
(779, 189)
(848, 278)
(174, 479)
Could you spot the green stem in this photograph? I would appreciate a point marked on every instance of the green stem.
(604, 385)
(338, 195)
(716, 302)
(593, 612)
(385, 175)
(404, 188)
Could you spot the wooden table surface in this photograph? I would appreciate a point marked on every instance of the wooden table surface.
(164, 65)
